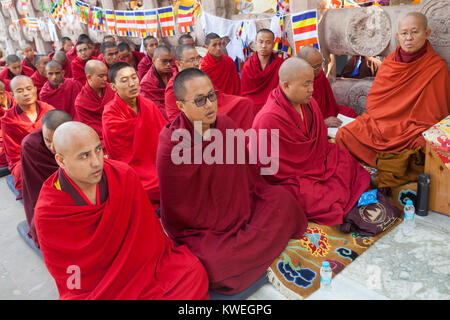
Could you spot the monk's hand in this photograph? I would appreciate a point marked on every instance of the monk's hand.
(333, 122)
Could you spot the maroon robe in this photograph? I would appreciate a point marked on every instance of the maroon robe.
(6, 76)
(223, 73)
(152, 87)
(10, 104)
(38, 81)
(228, 216)
(138, 56)
(78, 69)
(62, 98)
(27, 63)
(144, 65)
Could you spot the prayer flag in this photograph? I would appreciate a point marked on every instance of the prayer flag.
(140, 23)
(304, 27)
(33, 23)
(121, 23)
(283, 6)
(131, 23)
(186, 18)
(167, 21)
(7, 4)
(111, 21)
(151, 21)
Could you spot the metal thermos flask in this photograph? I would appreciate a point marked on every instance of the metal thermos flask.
(423, 191)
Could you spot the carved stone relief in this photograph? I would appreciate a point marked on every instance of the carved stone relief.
(352, 93)
(438, 13)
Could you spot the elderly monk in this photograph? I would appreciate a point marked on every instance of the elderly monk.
(20, 120)
(13, 68)
(131, 126)
(410, 93)
(240, 109)
(115, 243)
(93, 97)
(59, 92)
(260, 72)
(228, 216)
(150, 44)
(37, 156)
(323, 93)
(28, 61)
(6, 102)
(110, 53)
(84, 54)
(325, 179)
(61, 58)
(220, 67)
(153, 85)
(39, 77)
(129, 56)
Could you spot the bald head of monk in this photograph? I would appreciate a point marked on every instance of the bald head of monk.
(297, 80)
(162, 60)
(186, 56)
(14, 64)
(55, 73)
(97, 75)
(413, 32)
(50, 122)
(313, 57)
(40, 62)
(60, 57)
(150, 44)
(110, 52)
(24, 91)
(79, 152)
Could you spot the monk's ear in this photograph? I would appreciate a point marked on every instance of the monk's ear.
(428, 32)
(177, 64)
(113, 86)
(180, 105)
(60, 160)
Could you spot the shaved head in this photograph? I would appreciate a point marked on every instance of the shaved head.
(96, 75)
(413, 32)
(160, 50)
(69, 136)
(306, 52)
(292, 68)
(50, 122)
(18, 81)
(297, 81)
(313, 56)
(60, 57)
(53, 64)
(92, 66)
(417, 15)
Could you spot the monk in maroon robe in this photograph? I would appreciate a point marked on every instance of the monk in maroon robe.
(150, 43)
(260, 73)
(37, 156)
(220, 67)
(13, 68)
(61, 58)
(39, 77)
(230, 218)
(59, 92)
(131, 126)
(110, 54)
(22, 119)
(153, 85)
(129, 56)
(93, 97)
(98, 243)
(6, 103)
(84, 54)
(29, 55)
(325, 178)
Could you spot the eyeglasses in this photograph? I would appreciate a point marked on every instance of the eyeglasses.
(406, 34)
(193, 60)
(201, 101)
(315, 68)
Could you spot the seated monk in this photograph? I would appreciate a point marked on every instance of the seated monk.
(28, 61)
(110, 53)
(66, 46)
(93, 97)
(59, 92)
(115, 242)
(13, 68)
(240, 109)
(323, 93)
(72, 53)
(39, 77)
(131, 126)
(410, 93)
(84, 54)
(20, 120)
(150, 43)
(129, 56)
(260, 72)
(109, 38)
(61, 58)
(6, 103)
(220, 67)
(37, 157)
(153, 85)
(229, 217)
(325, 179)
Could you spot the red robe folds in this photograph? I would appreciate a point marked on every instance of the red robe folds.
(62, 98)
(27, 63)
(38, 163)
(325, 178)
(15, 126)
(38, 81)
(6, 76)
(78, 69)
(223, 73)
(257, 84)
(133, 139)
(152, 87)
(227, 215)
(324, 96)
(118, 247)
(89, 107)
(405, 100)
(10, 104)
(144, 65)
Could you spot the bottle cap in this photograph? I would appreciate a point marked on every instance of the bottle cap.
(325, 264)
(409, 202)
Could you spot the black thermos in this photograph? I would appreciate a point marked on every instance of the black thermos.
(423, 190)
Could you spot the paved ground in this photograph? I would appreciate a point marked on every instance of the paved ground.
(398, 266)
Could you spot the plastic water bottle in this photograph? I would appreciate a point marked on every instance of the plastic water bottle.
(326, 277)
(409, 211)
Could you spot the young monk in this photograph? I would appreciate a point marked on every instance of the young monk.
(131, 126)
(325, 179)
(153, 85)
(28, 61)
(260, 72)
(110, 53)
(220, 67)
(22, 119)
(150, 43)
(59, 92)
(61, 58)
(84, 54)
(228, 216)
(13, 68)
(410, 93)
(323, 93)
(66, 46)
(85, 224)
(37, 156)
(93, 97)
(6, 103)
(240, 109)
(39, 77)
(129, 56)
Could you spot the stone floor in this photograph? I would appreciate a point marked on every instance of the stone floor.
(399, 266)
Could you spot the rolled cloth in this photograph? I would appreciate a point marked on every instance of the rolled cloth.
(63, 97)
(223, 73)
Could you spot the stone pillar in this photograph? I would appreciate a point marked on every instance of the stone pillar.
(352, 93)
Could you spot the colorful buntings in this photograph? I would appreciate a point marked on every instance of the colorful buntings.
(304, 27)
(186, 18)
(167, 21)
(121, 23)
(151, 21)
(111, 21)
